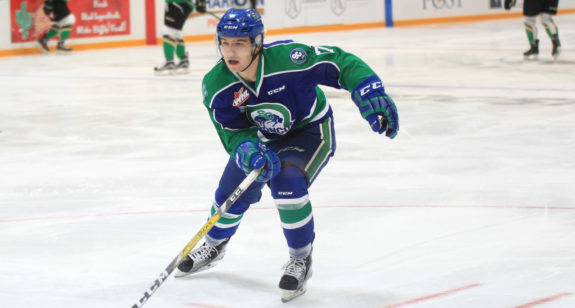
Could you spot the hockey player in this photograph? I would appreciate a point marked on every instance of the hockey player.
(269, 113)
(175, 16)
(547, 9)
(58, 12)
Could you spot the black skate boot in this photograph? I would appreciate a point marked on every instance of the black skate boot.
(201, 259)
(43, 44)
(293, 282)
(63, 49)
(167, 67)
(184, 63)
(533, 52)
(556, 46)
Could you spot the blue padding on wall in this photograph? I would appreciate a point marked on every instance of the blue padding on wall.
(389, 13)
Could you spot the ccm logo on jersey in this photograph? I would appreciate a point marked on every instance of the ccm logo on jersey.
(240, 97)
(277, 90)
(373, 85)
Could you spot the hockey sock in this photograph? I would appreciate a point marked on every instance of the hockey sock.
(550, 26)
(54, 30)
(297, 224)
(65, 32)
(181, 48)
(169, 44)
(530, 29)
(229, 221)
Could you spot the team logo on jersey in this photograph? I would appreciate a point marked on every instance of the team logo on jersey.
(298, 56)
(240, 97)
(271, 118)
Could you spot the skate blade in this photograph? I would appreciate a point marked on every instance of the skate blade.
(164, 73)
(182, 71)
(44, 51)
(288, 295)
(180, 274)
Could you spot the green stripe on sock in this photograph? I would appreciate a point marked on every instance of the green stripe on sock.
(54, 30)
(293, 216)
(169, 45)
(181, 49)
(65, 32)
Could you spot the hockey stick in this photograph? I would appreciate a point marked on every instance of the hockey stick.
(203, 231)
(213, 14)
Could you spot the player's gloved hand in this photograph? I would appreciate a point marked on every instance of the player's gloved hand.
(252, 155)
(201, 6)
(509, 4)
(376, 106)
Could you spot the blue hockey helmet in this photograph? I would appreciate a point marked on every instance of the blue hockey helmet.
(242, 23)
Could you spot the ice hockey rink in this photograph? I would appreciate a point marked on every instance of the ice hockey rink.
(107, 171)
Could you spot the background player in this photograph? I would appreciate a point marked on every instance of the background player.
(58, 12)
(532, 8)
(269, 113)
(175, 16)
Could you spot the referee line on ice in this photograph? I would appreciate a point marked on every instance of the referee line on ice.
(502, 207)
(432, 296)
(544, 300)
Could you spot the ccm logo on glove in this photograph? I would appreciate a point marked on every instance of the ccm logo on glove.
(375, 85)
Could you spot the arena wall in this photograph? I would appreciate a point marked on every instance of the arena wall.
(140, 22)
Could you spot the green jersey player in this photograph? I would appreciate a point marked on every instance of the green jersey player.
(547, 9)
(175, 16)
(63, 21)
(269, 112)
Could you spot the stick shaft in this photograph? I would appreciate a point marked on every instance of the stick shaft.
(245, 184)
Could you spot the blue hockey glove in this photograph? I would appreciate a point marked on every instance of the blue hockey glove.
(376, 106)
(251, 155)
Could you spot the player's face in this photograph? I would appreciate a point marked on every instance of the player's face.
(237, 52)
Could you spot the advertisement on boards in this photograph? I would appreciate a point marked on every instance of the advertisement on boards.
(94, 18)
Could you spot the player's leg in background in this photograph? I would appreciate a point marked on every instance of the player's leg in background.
(64, 23)
(531, 8)
(213, 250)
(302, 157)
(65, 26)
(175, 16)
(62, 27)
(550, 26)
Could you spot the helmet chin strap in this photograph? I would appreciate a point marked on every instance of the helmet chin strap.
(254, 55)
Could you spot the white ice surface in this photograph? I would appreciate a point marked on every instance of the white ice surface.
(106, 171)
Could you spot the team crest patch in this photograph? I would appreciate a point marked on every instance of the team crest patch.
(240, 97)
(298, 56)
(271, 118)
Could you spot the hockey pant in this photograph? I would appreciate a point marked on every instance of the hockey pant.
(302, 157)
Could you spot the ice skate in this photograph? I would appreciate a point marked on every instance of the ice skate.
(43, 44)
(533, 52)
(63, 49)
(167, 68)
(293, 282)
(202, 258)
(556, 47)
(183, 65)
